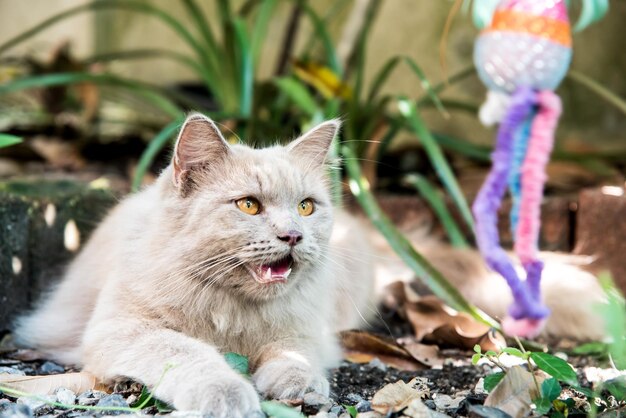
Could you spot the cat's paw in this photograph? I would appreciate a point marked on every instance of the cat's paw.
(289, 379)
(225, 395)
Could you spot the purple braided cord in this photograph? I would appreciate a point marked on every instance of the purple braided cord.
(489, 199)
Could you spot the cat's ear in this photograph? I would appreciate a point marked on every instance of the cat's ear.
(199, 143)
(313, 146)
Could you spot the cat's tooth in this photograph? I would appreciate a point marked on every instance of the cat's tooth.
(268, 275)
(287, 273)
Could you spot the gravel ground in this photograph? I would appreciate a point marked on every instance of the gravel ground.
(351, 385)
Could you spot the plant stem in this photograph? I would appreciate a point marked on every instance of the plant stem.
(422, 268)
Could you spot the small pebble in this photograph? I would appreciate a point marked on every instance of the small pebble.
(65, 396)
(316, 400)
(430, 404)
(370, 414)
(90, 397)
(9, 409)
(354, 398)
(322, 414)
(50, 367)
(11, 370)
(377, 364)
(337, 410)
(363, 406)
(115, 400)
(39, 405)
(443, 402)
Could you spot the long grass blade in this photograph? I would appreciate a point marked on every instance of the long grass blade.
(381, 77)
(202, 24)
(259, 31)
(245, 68)
(7, 140)
(210, 74)
(437, 159)
(151, 95)
(320, 29)
(431, 195)
(138, 54)
(598, 89)
(417, 70)
(298, 94)
(422, 268)
(155, 146)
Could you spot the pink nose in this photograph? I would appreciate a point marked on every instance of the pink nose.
(292, 237)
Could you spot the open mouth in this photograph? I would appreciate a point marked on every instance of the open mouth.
(275, 272)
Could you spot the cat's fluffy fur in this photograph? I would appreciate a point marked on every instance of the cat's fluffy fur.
(162, 281)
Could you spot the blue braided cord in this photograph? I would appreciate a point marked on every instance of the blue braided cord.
(520, 146)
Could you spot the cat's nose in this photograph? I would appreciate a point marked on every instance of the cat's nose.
(292, 237)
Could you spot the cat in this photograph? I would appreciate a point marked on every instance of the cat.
(229, 251)
(235, 249)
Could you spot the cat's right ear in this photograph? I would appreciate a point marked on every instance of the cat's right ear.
(199, 143)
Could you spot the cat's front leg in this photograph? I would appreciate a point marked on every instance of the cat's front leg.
(284, 373)
(183, 371)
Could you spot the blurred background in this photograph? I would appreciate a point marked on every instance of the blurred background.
(95, 91)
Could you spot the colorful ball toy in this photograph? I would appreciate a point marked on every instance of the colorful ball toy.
(522, 56)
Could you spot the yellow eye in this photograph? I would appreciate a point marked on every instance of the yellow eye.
(306, 207)
(249, 205)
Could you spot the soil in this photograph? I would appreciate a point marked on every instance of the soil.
(351, 385)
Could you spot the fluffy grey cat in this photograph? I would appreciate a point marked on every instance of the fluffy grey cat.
(234, 250)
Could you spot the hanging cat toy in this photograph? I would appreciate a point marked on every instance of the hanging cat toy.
(522, 55)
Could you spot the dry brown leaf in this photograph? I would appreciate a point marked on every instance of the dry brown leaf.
(395, 397)
(363, 347)
(46, 385)
(514, 393)
(427, 354)
(434, 322)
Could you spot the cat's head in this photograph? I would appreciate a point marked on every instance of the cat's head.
(254, 221)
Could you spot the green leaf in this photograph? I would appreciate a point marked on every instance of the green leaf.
(279, 410)
(322, 32)
(614, 315)
(438, 160)
(245, 68)
(437, 204)
(382, 76)
(237, 362)
(542, 406)
(351, 410)
(491, 353)
(477, 348)
(476, 358)
(555, 367)
(513, 351)
(7, 140)
(259, 31)
(421, 267)
(298, 93)
(48, 80)
(593, 348)
(617, 387)
(550, 389)
(492, 380)
(155, 146)
(417, 70)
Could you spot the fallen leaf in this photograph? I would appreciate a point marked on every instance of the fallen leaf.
(394, 397)
(514, 394)
(427, 354)
(363, 347)
(46, 385)
(436, 323)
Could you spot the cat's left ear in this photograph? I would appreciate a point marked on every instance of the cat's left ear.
(313, 146)
(199, 143)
